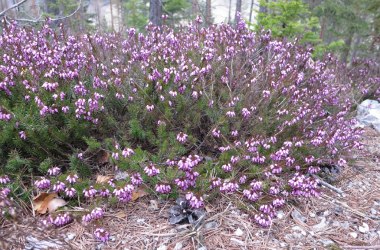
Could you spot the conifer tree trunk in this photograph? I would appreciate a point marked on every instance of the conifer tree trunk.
(194, 7)
(155, 12)
(208, 13)
(238, 10)
(250, 11)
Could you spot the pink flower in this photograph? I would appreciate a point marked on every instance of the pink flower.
(42, 183)
(22, 135)
(149, 108)
(4, 179)
(151, 170)
(70, 192)
(59, 186)
(163, 188)
(54, 171)
(194, 201)
(101, 234)
(72, 178)
(182, 137)
(127, 152)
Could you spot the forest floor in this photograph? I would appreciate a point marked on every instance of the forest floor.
(350, 220)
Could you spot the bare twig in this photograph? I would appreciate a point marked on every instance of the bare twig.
(329, 186)
(12, 7)
(39, 19)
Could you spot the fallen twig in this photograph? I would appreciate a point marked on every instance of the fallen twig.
(329, 186)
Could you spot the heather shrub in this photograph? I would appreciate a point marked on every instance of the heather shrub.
(196, 111)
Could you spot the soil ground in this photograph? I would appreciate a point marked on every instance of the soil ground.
(350, 220)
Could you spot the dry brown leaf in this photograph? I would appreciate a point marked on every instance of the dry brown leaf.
(138, 193)
(41, 202)
(56, 203)
(120, 215)
(103, 157)
(103, 178)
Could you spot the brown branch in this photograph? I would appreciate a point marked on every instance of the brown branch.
(12, 7)
(52, 19)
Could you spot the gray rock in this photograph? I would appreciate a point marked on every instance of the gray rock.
(280, 214)
(238, 232)
(70, 236)
(37, 244)
(369, 114)
(364, 228)
(321, 225)
(353, 235)
(178, 246)
(373, 211)
(298, 216)
(211, 224)
(162, 247)
(202, 248)
(326, 242)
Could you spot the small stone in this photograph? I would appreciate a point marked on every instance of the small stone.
(326, 242)
(211, 224)
(202, 248)
(336, 224)
(70, 236)
(153, 204)
(353, 235)
(312, 215)
(298, 228)
(373, 211)
(364, 229)
(112, 238)
(239, 232)
(283, 244)
(298, 216)
(280, 214)
(321, 225)
(140, 220)
(162, 247)
(99, 246)
(239, 242)
(178, 246)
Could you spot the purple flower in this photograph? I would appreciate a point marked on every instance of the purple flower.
(229, 187)
(182, 183)
(72, 178)
(215, 132)
(54, 171)
(86, 218)
(70, 192)
(22, 135)
(251, 194)
(182, 137)
(149, 108)
(104, 192)
(194, 201)
(42, 183)
(163, 188)
(136, 179)
(97, 213)
(127, 152)
(227, 167)
(151, 170)
(89, 192)
(62, 219)
(59, 186)
(4, 179)
(215, 182)
(101, 234)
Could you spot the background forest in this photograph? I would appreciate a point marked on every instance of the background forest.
(347, 27)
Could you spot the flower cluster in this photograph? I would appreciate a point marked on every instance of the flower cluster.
(234, 111)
